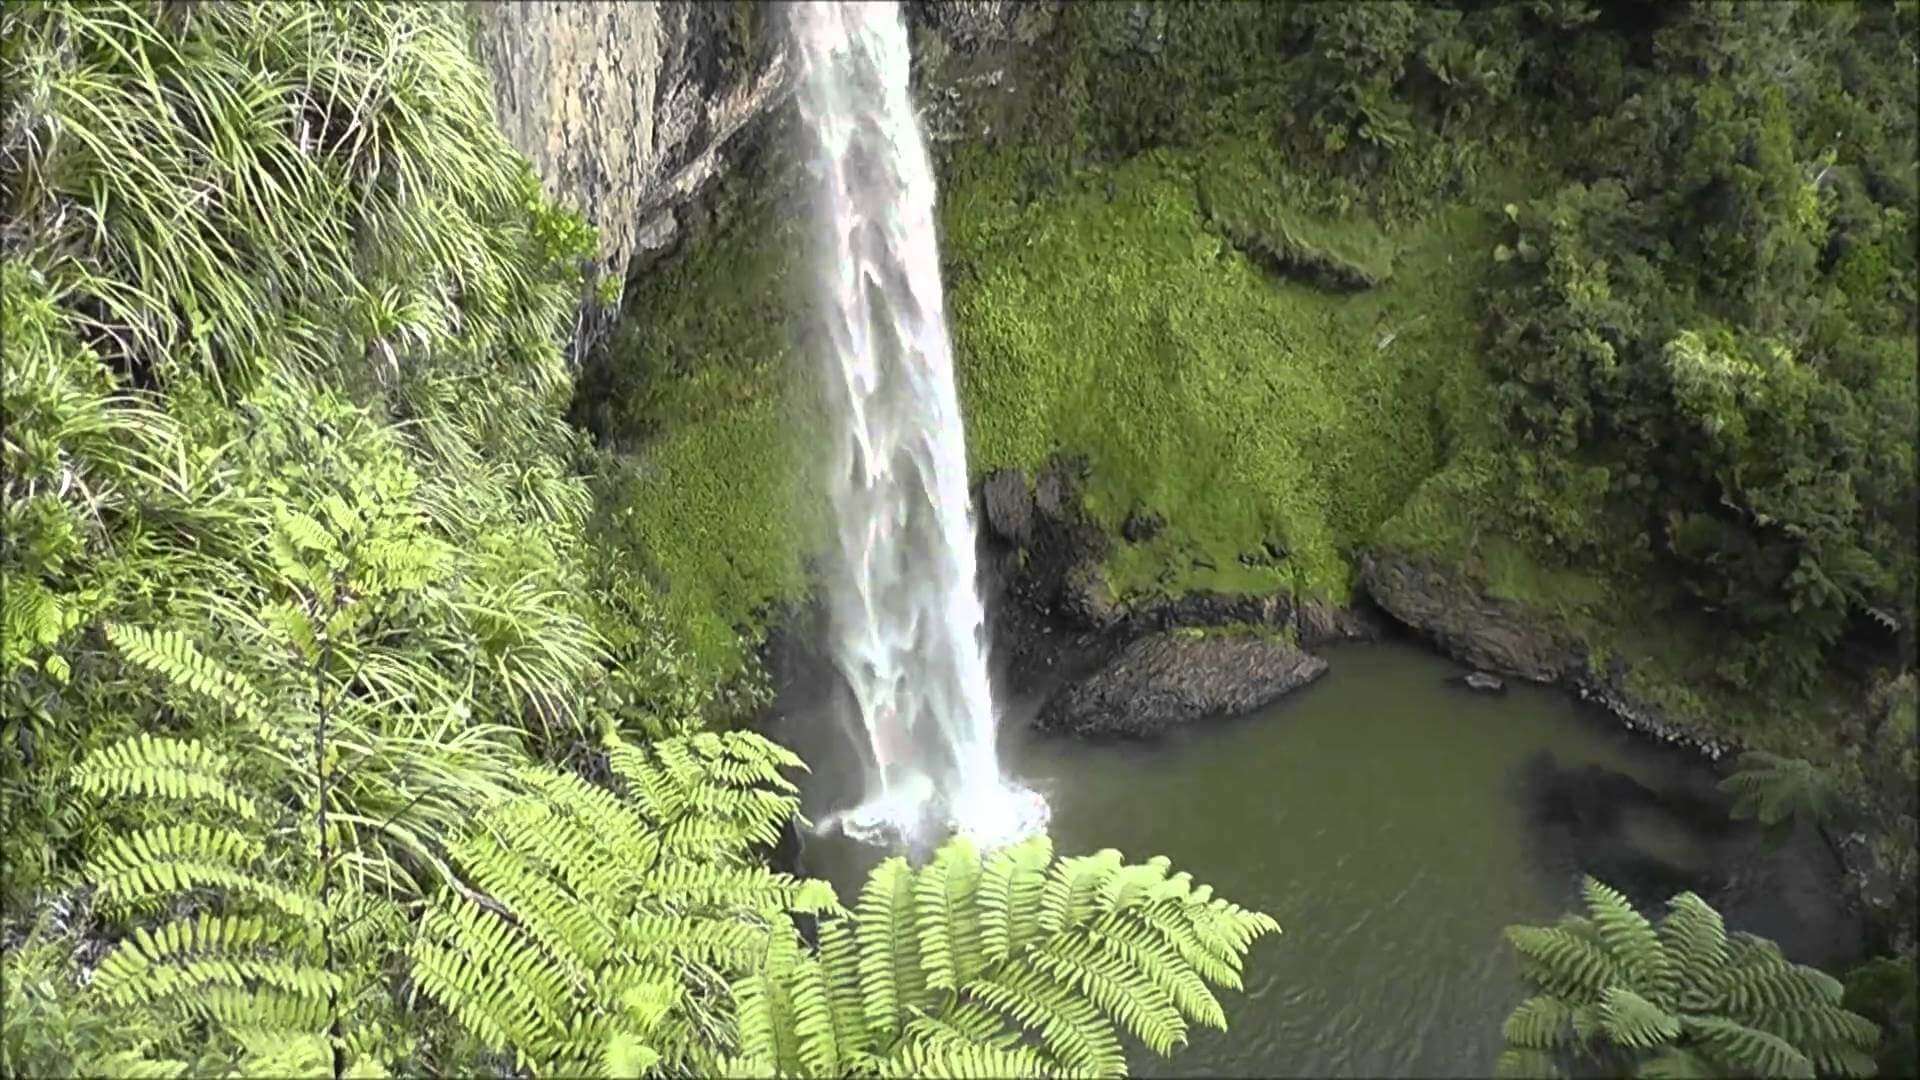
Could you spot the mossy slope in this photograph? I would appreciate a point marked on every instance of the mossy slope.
(707, 394)
(1111, 321)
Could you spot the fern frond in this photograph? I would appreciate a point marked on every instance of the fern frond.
(1118, 988)
(1745, 1051)
(1696, 940)
(1010, 888)
(946, 917)
(1541, 1022)
(946, 1057)
(152, 767)
(1525, 1064)
(1770, 789)
(1816, 1025)
(1562, 961)
(176, 658)
(1631, 1020)
(890, 971)
(1632, 942)
(839, 960)
(168, 859)
(1748, 991)
(1069, 1027)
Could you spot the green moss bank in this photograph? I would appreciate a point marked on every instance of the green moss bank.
(707, 400)
(1256, 411)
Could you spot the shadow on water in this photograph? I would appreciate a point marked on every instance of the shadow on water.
(1393, 825)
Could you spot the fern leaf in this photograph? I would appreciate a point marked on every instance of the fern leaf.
(889, 953)
(626, 1056)
(1117, 988)
(1696, 940)
(1541, 1022)
(1631, 1020)
(1744, 1051)
(946, 917)
(1518, 1063)
(1815, 1024)
(1069, 1027)
(175, 657)
(1562, 961)
(949, 1058)
(1632, 942)
(1010, 888)
(839, 963)
(152, 767)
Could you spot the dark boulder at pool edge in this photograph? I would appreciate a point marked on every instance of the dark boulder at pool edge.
(1165, 680)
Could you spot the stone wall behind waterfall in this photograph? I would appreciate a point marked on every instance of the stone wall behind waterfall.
(627, 109)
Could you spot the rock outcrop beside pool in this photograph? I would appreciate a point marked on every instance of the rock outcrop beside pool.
(1164, 680)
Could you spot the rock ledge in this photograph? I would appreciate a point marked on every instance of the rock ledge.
(1164, 680)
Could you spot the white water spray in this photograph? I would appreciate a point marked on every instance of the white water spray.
(908, 626)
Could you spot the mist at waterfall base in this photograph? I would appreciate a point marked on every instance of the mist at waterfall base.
(906, 620)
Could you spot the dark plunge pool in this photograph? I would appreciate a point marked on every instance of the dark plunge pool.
(1393, 825)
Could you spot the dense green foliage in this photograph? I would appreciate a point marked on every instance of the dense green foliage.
(1679, 998)
(1110, 321)
(1886, 990)
(1708, 332)
(338, 743)
(283, 317)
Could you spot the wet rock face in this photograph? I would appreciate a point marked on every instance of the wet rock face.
(1505, 639)
(1165, 680)
(1481, 681)
(968, 25)
(1482, 631)
(1009, 506)
(627, 109)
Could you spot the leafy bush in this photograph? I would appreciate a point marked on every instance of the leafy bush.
(1711, 320)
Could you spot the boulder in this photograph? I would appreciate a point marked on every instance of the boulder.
(1009, 506)
(1141, 526)
(1164, 680)
(1485, 632)
(1318, 622)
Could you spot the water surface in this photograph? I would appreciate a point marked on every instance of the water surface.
(1387, 821)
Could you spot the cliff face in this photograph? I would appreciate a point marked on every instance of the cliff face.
(627, 109)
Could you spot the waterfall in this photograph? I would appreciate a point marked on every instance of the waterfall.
(907, 623)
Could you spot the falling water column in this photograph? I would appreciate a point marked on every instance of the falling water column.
(907, 623)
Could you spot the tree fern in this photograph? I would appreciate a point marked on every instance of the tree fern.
(573, 903)
(1682, 997)
(1115, 949)
(1773, 789)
